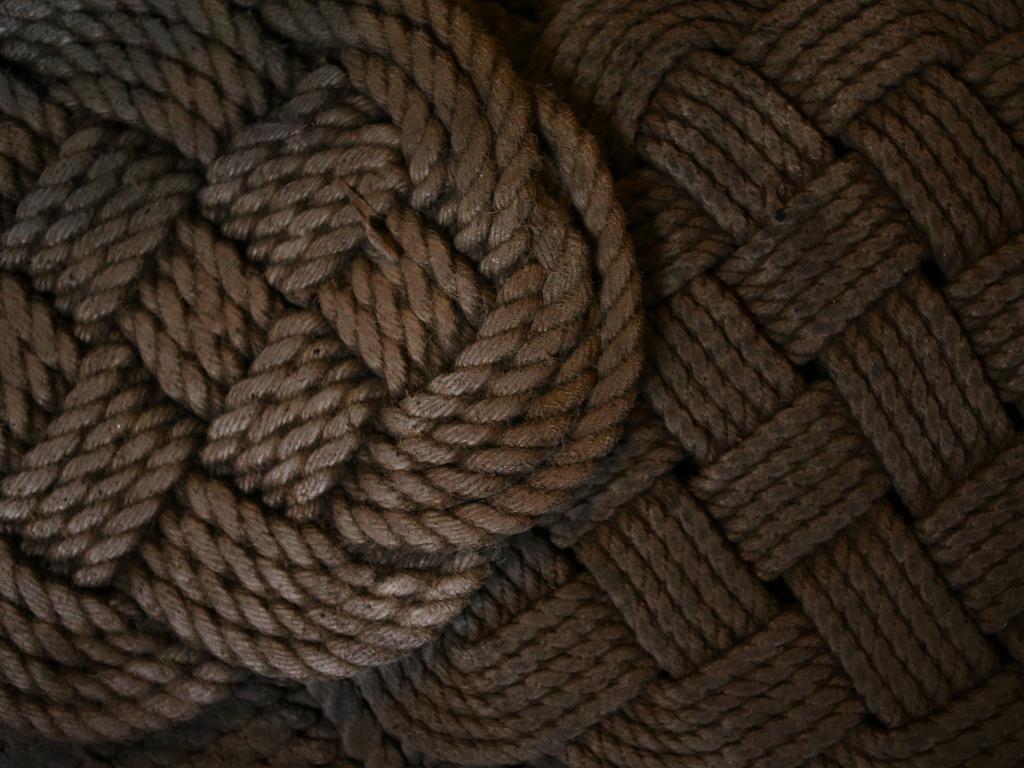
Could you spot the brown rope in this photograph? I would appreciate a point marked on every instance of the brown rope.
(306, 309)
(321, 331)
(807, 549)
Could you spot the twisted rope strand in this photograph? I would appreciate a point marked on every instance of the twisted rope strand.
(307, 309)
(321, 338)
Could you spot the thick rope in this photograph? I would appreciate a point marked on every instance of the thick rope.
(806, 550)
(319, 438)
(306, 310)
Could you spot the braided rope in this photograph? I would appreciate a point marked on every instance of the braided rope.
(806, 549)
(307, 308)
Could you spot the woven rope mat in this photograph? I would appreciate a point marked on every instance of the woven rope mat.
(641, 386)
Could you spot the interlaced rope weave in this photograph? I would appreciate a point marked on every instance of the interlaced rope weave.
(304, 310)
(807, 548)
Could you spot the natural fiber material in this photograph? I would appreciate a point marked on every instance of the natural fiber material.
(810, 546)
(322, 329)
(304, 312)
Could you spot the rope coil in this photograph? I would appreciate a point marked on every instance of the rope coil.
(309, 308)
(321, 425)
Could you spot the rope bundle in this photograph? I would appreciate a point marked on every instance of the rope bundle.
(304, 312)
(361, 341)
(807, 549)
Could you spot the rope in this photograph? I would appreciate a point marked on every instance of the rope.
(307, 310)
(321, 338)
(806, 549)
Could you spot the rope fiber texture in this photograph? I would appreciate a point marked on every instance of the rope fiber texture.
(322, 333)
(304, 310)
